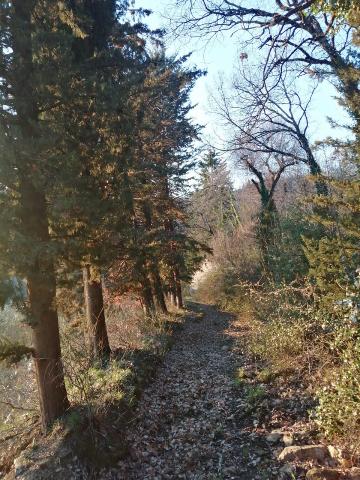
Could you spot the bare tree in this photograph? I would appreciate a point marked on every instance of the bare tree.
(290, 32)
(270, 117)
(267, 168)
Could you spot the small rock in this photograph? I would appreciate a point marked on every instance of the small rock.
(20, 465)
(354, 473)
(324, 474)
(286, 470)
(288, 440)
(337, 455)
(273, 437)
(302, 453)
(334, 452)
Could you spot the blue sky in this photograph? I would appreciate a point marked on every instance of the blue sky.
(218, 57)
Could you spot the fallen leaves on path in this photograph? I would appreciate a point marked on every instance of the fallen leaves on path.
(188, 420)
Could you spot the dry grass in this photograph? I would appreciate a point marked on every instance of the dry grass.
(98, 395)
(17, 382)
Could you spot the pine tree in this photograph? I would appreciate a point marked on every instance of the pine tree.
(209, 163)
(169, 152)
(90, 196)
(213, 204)
(30, 47)
(334, 258)
(160, 160)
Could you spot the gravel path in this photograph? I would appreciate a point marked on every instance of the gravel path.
(188, 420)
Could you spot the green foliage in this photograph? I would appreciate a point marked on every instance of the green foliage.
(279, 341)
(104, 384)
(209, 163)
(334, 258)
(301, 307)
(342, 8)
(266, 375)
(254, 394)
(240, 373)
(338, 412)
(213, 205)
(285, 324)
(94, 386)
(240, 376)
(141, 341)
(287, 260)
(74, 420)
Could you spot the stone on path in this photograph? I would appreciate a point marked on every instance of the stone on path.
(333, 474)
(303, 453)
(324, 474)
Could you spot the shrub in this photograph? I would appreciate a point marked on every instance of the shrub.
(131, 335)
(338, 412)
(279, 343)
(90, 384)
(254, 393)
(17, 376)
(284, 331)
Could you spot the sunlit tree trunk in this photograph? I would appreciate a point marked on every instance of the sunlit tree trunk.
(178, 289)
(158, 291)
(147, 299)
(97, 337)
(44, 320)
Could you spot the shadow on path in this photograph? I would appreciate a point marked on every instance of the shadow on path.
(190, 422)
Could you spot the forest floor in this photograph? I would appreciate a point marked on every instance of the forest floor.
(208, 413)
(195, 421)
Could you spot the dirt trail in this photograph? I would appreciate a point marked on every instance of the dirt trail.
(190, 421)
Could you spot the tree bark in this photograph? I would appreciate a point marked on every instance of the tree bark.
(171, 295)
(315, 170)
(347, 74)
(39, 269)
(147, 298)
(158, 297)
(178, 289)
(158, 291)
(268, 222)
(42, 298)
(46, 343)
(97, 337)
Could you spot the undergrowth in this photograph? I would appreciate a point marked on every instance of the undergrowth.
(102, 397)
(293, 339)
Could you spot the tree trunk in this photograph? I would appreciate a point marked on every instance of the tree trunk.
(315, 170)
(159, 299)
(147, 298)
(46, 343)
(97, 337)
(158, 291)
(347, 74)
(172, 296)
(178, 289)
(268, 232)
(39, 270)
(44, 320)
